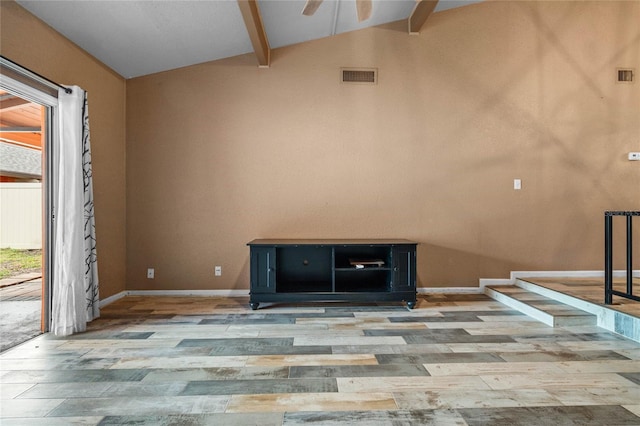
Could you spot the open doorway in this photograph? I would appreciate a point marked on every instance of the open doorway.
(22, 143)
(68, 237)
(22, 148)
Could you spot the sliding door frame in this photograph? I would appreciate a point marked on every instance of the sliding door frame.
(29, 86)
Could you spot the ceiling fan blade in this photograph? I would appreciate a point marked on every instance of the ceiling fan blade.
(311, 7)
(364, 9)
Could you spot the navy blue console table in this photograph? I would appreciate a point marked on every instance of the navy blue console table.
(332, 270)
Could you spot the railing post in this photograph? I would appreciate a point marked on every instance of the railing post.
(629, 256)
(608, 259)
(609, 291)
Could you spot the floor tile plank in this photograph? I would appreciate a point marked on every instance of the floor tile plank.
(542, 416)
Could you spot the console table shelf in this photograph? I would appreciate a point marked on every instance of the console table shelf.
(332, 270)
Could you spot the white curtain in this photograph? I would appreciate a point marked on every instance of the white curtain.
(75, 269)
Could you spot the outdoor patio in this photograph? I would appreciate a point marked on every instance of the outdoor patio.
(20, 307)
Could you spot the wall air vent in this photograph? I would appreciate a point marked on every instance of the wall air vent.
(359, 75)
(625, 75)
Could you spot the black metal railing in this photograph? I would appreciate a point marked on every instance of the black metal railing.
(609, 292)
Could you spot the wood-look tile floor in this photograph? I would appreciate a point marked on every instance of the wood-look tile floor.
(23, 291)
(453, 360)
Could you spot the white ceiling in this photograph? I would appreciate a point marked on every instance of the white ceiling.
(140, 37)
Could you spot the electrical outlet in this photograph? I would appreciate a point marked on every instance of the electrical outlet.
(634, 156)
(517, 184)
(218, 271)
(151, 273)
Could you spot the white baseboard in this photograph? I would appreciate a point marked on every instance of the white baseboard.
(201, 293)
(483, 282)
(109, 300)
(449, 290)
(175, 293)
(244, 293)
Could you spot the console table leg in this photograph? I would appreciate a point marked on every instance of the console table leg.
(254, 305)
(411, 305)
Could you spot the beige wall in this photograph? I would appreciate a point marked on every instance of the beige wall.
(31, 43)
(221, 153)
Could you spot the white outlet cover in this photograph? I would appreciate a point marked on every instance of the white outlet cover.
(517, 184)
(634, 156)
(151, 273)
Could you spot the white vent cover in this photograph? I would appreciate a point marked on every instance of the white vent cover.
(625, 75)
(359, 75)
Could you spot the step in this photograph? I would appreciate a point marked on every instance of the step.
(542, 308)
(608, 316)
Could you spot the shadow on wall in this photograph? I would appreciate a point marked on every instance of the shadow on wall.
(447, 267)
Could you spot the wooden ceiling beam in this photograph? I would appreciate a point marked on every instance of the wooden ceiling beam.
(258, 36)
(421, 12)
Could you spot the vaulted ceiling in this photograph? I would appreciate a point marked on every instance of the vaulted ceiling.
(140, 37)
